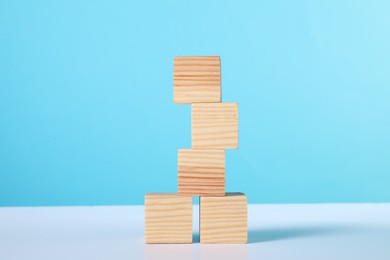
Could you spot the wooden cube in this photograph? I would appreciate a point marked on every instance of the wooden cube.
(224, 219)
(215, 126)
(168, 218)
(201, 172)
(197, 79)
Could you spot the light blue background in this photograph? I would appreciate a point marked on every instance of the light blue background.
(86, 104)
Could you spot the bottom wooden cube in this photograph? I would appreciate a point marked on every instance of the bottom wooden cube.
(224, 219)
(168, 218)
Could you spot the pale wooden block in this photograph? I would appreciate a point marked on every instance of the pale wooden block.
(201, 172)
(168, 218)
(196, 79)
(215, 126)
(224, 219)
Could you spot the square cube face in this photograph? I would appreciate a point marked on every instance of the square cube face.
(197, 79)
(168, 218)
(201, 172)
(224, 219)
(215, 126)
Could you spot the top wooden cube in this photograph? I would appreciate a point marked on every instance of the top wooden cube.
(197, 79)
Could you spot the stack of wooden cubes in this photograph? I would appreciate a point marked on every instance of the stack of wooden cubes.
(201, 170)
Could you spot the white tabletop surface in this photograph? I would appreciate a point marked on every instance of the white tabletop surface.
(312, 231)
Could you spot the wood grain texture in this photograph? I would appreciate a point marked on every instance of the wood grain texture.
(224, 219)
(215, 126)
(201, 172)
(196, 79)
(168, 218)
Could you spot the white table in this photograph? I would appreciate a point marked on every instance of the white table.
(313, 231)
